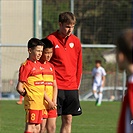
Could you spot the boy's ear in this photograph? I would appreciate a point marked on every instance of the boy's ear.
(29, 50)
(60, 24)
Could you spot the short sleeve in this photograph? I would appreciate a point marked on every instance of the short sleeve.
(103, 72)
(24, 72)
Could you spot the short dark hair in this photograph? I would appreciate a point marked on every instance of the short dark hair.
(98, 61)
(124, 43)
(67, 17)
(33, 42)
(47, 43)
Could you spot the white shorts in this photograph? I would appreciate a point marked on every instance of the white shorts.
(97, 88)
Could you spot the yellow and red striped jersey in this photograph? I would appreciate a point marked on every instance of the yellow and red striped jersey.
(30, 74)
(48, 77)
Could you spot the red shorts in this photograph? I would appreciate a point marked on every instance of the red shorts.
(50, 113)
(34, 116)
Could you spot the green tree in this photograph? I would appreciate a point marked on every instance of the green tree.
(50, 12)
(99, 21)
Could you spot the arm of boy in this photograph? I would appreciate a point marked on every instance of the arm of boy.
(103, 81)
(50, 103)
(103, 77)
(55, 93)
(20, 89)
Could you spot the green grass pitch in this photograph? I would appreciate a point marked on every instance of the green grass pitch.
(94, 119)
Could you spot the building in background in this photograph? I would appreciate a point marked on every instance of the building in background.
(16, 28)
(16, 21)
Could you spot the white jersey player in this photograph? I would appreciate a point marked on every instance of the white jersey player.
(98, 76)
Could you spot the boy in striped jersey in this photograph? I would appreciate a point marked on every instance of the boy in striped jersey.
(49, 118)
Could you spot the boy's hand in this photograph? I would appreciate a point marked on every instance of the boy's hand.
(55, 105)
(52, 105)
(22, 92)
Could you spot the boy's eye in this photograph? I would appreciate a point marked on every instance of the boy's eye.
(48, 52)
(39, 51)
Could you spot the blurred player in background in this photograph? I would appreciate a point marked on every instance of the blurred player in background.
(49, 118)
(31, 86)
(67, 60)
(20, 100)
(98, 81)
(124, 56)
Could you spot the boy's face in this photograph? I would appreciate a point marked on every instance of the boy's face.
(47, 54)
(66, 29)
(36, 53)
(97, 65)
